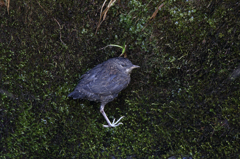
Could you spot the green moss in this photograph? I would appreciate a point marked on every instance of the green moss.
(183, 102)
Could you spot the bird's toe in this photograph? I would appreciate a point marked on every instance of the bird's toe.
(114, 124)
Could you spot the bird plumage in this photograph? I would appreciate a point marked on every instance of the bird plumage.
(104, 81)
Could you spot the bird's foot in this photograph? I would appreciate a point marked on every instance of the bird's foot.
(113, 124)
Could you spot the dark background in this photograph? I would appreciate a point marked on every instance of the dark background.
(183, 101)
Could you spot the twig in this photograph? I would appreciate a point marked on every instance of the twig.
(60, 31)
(103, 14)
(57, 23)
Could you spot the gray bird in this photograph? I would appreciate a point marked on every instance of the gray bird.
(104, 82)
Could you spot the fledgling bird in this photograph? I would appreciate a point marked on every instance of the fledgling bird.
(104, 82)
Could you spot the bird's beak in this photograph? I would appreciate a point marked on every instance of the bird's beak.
(131, 68)
(134, 66)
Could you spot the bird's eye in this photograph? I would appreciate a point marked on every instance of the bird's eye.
(123, 65)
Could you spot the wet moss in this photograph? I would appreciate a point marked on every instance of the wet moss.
(183, 102)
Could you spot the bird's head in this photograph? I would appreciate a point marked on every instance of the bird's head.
(125, 65)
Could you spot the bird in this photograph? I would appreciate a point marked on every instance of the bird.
(104, 82)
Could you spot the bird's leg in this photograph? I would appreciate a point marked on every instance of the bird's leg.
(113, 124)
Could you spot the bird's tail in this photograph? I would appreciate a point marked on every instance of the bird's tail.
(76, 95)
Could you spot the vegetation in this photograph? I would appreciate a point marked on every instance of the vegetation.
(182, 102)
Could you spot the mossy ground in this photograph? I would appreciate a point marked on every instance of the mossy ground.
(183, 101)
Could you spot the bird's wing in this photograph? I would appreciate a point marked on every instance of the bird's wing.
(105, 83)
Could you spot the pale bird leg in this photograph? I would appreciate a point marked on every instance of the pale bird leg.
(113, 124)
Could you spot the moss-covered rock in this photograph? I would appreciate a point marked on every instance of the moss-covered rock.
(183, 102)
